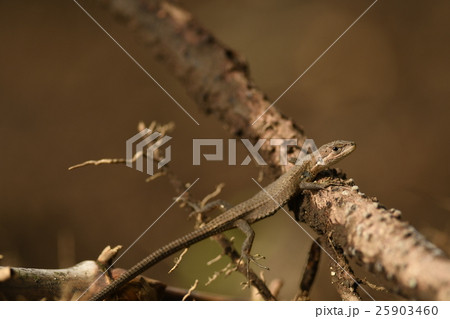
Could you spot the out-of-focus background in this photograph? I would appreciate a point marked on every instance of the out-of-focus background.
(69, 94)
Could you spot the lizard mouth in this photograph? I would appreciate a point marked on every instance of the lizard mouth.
(350, 148)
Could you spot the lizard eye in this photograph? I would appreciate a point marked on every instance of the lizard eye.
(335, 149)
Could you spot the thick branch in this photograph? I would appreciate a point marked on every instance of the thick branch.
(51, 284)
(217, 79)
(71, 283)
(379, 241)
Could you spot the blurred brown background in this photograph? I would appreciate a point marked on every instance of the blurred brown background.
(69, 94)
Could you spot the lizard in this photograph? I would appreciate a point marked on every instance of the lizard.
(263, 204)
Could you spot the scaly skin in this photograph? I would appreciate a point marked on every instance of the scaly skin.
(259, 206)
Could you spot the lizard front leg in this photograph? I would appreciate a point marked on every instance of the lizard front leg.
(311, 186)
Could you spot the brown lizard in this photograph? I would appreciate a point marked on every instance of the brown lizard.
(264, 204)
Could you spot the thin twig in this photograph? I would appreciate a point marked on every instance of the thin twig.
(309, 274)
(178, 260)
(342, 275)
(208, 197)
(102, 161)
(194, 286)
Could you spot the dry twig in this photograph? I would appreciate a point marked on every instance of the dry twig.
(309, 274)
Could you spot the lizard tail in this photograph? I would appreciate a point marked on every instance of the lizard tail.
(155, 257)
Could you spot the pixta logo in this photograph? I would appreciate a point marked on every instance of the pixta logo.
(308, 147)
(145, 146)
(146, 143)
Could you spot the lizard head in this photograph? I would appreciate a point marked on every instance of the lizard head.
(332, 153)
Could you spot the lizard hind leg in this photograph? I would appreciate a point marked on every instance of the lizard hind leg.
(246, 257)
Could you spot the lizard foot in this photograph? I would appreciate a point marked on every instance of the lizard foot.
(247, 258)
